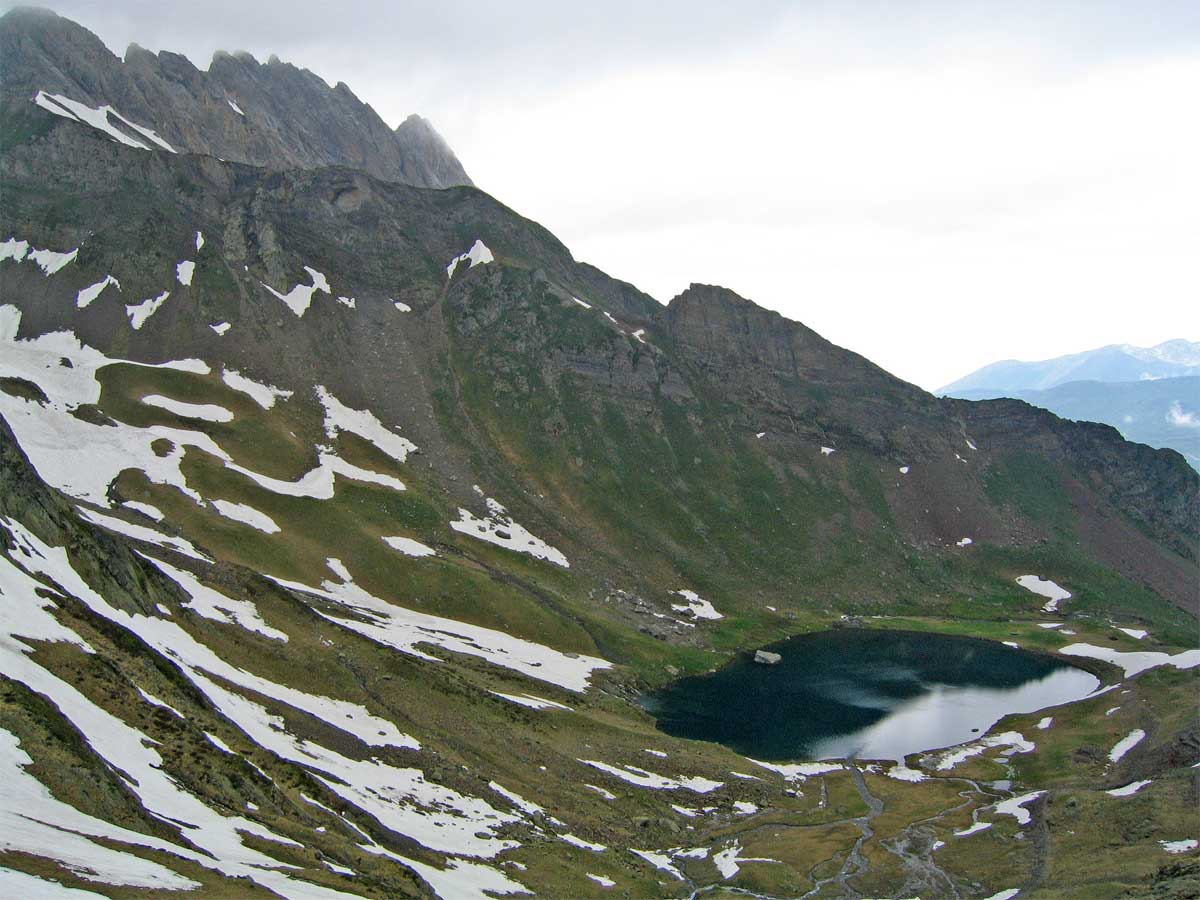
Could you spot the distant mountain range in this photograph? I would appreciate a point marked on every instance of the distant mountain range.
(1116, 362)
(1150, 394)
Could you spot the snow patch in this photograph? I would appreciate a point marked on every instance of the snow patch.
(151, 512)
(98, 118)
(237, 109)
(729, 860)
(1012, 739)
(50, 262)
(142, 533)
(1178, 846)
(317, 484)
(264, 395)
(300, 296)
(525, 806)
(533, 702)
(409, 547)
(904, 773)
(500, 529)
(1125, 744)
(1045, 588)
(964, 542)
(1135, 661)
(477, 255)
(88, 294)
(220, 328)
(339, 418)
(212, 604)
(601, 880)
(642, 778)
(660, 861)
(1136, 633)
(209, 412)
(697, 607)
(828, 451)
(55, 440)
(139, 312)
(973, 829)
(1130, 789)
(403, 307)
(247, 515)
(798, 772)
(1015, 807)
(13, 249)
(184, 272)
(581, 843)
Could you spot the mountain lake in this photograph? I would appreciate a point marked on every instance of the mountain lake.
(864, 693)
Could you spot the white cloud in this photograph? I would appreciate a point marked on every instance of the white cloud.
(1176, 416)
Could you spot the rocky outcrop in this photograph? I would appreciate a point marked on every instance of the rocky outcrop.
(273, 115)
(1155, 488)
(425, 157)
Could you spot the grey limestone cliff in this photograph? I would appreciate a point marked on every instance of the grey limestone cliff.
(273, 115)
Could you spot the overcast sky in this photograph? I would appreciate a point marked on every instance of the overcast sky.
(934, 185)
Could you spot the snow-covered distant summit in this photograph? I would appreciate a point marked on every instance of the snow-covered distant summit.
(1178, 351)
(1113, 363)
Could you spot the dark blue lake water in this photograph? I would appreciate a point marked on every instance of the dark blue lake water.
(864, 693)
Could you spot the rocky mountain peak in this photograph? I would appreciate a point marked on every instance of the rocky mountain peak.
(274, 115)
(426, 153)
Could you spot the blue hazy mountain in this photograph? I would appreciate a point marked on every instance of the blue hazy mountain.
(1116, 362)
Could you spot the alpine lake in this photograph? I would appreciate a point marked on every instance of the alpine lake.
(865, 694)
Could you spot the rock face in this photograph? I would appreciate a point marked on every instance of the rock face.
(274, 115)
(767, 658)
